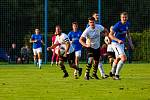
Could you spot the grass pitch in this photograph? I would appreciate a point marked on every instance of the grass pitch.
(26, 82)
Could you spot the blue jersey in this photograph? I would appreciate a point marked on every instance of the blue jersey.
(37, 37)
(75, 36)
(120, 30)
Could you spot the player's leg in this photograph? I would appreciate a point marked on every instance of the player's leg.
(96, 55)
(35, 57)
(71, 61)
(77, 57)
(62, 66)
(39, 51)
(120, 62)
(89, 63)
(53, 56)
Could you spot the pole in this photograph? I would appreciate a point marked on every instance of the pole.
(46, 28)
(99, 10)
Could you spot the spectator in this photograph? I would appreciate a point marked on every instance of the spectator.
(14, 54)
(25, 51)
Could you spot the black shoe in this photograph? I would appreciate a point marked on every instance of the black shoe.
(116, 77)
(65, 75)
(95, 76)
(111, 75)
(80, 71)
(105, 76)
(86, 77)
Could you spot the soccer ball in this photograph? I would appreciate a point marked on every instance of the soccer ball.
(62, 51)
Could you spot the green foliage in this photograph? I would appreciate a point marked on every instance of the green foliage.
(142, 46)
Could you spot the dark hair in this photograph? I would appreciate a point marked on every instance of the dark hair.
(74, 23)
(94, 12)
(91, 18)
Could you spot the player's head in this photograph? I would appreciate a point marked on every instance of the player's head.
(74, 26)
(124, 17)
(37, 31)
(13, 45)
(58, 30)
(95, 15)
(91, 22)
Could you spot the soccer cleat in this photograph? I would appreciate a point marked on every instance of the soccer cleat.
(75, 76)
(80, 71)
(105, 76)
(116, 77)
(65, 75)
(86, 77)
(111, 75)
(95, 76)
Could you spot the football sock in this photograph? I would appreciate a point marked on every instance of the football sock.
(63, 68)
(119, 67)
(95, 67)
(40, 62)
(88, 67)
(113, 70)
(100, 67)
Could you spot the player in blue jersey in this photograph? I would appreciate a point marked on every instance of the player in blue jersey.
(74, 37)
(37, 41)
(118, 36)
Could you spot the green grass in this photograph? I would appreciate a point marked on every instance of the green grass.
(26, 82)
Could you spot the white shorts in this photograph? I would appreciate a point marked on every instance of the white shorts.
(118, 49)
(78, 53)
(37, 50)
(109, 48)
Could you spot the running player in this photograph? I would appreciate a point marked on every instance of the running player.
(92, 33)
(37, 41)
(62, 40)
(74, 37)
(118, 35)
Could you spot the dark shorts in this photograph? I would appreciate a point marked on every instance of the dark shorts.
(111, 54)
(95, 53)
(70, 58)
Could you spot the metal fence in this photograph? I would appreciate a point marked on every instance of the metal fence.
(18, 18)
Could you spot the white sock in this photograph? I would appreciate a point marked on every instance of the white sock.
(119, 67)
(100, 67)
(113, 70)
(75, 72)
(40, 62)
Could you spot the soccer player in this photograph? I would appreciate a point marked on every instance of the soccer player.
(54, 55)
(37, 41)
(118, 35)
(74, 37)
(110, 51)
(62, 40)
(92, 34)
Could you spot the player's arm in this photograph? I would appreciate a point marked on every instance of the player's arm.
(32, 40)
(130, 40)
(112, 37)
(82, 39)
(105, 31)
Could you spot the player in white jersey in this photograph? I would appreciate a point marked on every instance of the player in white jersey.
(62, 40)
(92, 33)
(110, 51)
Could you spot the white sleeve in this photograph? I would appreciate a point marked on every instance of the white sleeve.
(65, 38)
(101, 28)
(85, 33)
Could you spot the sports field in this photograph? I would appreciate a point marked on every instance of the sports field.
(26, 82)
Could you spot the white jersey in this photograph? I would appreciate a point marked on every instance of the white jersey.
(109, 46)
(62, 39)
(93, 35)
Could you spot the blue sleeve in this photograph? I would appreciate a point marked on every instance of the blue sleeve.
(32, 37)
(116, 27)
(69, 35)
